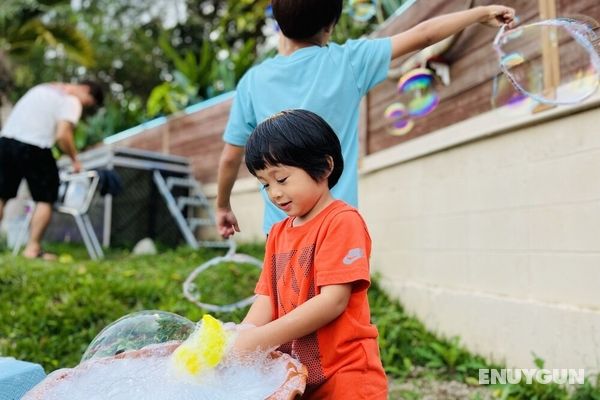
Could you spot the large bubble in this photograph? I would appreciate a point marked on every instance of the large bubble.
(508, 100)
(551, 61)
(137, 330)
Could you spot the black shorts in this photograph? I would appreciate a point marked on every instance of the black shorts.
(20, 160)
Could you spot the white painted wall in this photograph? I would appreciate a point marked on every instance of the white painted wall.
(490, 230)
(494, 234)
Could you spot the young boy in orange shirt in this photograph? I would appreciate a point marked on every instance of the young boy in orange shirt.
(312, 294)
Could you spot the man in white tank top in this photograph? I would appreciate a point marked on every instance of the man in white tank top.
(44, 116)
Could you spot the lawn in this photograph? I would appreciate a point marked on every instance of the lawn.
(52, 310)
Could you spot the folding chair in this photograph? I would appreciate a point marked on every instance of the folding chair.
(75, 194)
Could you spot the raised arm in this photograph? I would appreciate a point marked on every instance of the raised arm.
(229, 166)
(307, 318)
(66, 141)
(435, 29)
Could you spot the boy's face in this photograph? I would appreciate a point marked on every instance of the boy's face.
(294, 191)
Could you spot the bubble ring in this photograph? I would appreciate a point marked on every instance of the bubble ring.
(231, 256)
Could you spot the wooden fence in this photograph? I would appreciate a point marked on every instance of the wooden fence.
(472, 63)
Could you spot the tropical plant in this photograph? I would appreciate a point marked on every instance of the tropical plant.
(139, 53)
(27, 26)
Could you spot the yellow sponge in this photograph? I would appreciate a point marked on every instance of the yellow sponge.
(204, 349)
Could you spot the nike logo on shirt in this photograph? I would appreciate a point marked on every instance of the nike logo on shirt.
(353, 255)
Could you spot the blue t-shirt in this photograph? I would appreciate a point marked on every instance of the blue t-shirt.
(329, 81)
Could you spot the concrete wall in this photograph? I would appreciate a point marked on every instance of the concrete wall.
(490, 230)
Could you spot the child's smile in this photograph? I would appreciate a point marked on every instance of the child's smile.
(294, 191)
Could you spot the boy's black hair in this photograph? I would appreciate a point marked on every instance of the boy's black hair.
(297, 138)
(95, 91)
(302, 19)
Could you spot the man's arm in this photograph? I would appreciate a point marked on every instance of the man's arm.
(435, 29)
(66, 141)
(307, 318)
(229, 166)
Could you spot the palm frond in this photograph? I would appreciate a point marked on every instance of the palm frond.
(77, 47)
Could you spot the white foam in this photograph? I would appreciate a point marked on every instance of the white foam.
(152, 378)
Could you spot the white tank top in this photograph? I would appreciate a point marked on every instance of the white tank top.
(34, 118)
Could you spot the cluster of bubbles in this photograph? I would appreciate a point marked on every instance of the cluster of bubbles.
(553, 62)
(418, 99)
(550, 62)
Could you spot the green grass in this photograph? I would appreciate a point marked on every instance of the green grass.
(51, 311)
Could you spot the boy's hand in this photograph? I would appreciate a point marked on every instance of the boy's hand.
(496, 16)
(226, 221)
(248, 341)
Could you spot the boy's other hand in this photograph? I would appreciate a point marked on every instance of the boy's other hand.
(226, 221)
(496, 16)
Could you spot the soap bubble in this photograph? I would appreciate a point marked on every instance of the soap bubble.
(137, 330)
(362, 10)
(417, 92)
(552, 61)
(418, 98)
(508, 100)
(398, 121)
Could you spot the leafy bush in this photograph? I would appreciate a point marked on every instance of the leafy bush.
(53, 310)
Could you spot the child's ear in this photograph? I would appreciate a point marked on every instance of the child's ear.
(330, 164)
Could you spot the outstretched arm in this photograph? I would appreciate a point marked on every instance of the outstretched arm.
(229, 166)
(307, 318)
(435, 29)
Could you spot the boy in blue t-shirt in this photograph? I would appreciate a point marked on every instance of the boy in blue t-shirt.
(325, 78)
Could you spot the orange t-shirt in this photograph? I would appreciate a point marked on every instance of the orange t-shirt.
(334, 247)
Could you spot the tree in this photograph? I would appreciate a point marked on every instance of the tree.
(144, 54)
(26, 26)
